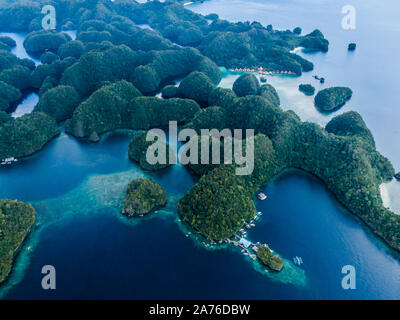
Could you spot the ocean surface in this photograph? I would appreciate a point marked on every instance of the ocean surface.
(77, 189)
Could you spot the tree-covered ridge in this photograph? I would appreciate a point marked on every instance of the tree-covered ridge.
(218, 204)
(241, 44)
(142, 197)
(199, 87)
(7, 43)
(8, 95)
(137, 150)
(330, 99)
(59, 102)
(120, 106)
(25, 135)
(343, 155)
(38, 42)
(147, 71)
(16, 219)
(15, 75)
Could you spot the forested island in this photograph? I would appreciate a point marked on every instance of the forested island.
(307, 89)
(106, 80)
(331, 99)
(268, 258)
(142, 197)
(16, 220)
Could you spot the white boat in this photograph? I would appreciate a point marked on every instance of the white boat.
(297, 260)
(261, 196)
(8, 161)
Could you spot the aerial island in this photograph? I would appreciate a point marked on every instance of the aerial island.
(333, 98)
(307, 89)
(16, 220)
(268, 258)
(142, 197)
(108, 77)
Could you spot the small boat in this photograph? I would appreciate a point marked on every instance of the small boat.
(297, 260)
(261, 196)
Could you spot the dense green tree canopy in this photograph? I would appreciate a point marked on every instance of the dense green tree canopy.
(48, 57)
(59, 102)
(307, 89)
(332, 98)
(16, 220)
(8, 95)
(8, 41)
(74, 48)
(27, 134)
(218, 204)
(37, 42)
(142, 197)
(17, 76)
(246, 84)
(170, 91)
(196, 86)
(267, 258)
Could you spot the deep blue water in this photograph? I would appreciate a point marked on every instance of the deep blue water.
(77, 189)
